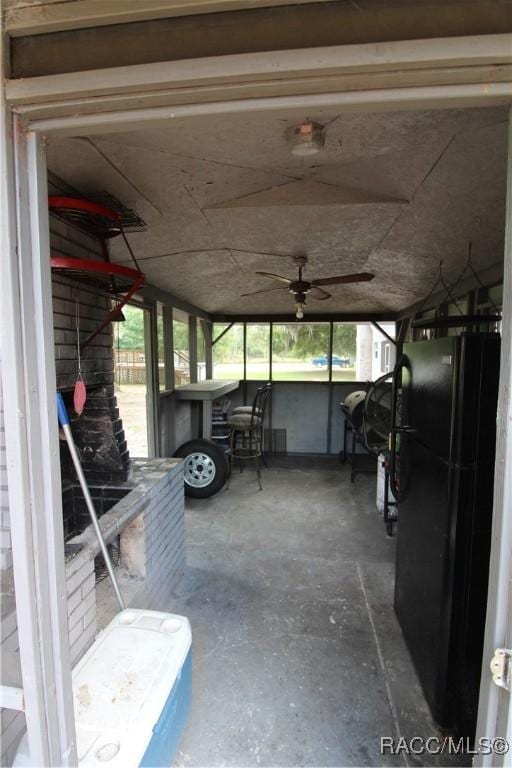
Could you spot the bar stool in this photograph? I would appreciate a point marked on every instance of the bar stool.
(248, 408)
(246, 431)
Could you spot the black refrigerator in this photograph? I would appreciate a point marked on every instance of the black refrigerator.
(447, 447)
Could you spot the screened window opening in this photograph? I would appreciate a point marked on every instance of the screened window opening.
(201, 352)
(228, 351)
(258, 351)
(300, 352)
(181, 351)
(160, 347)
(361, 352)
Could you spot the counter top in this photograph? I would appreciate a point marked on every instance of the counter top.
(209, 389)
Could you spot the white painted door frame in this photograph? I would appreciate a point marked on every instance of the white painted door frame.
(495, 710)
(440, 73)
(32, 447)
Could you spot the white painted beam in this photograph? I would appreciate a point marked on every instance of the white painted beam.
(370, 59)
(392, 99)
(488, 78)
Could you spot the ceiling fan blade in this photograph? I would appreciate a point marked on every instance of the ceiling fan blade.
(265, 290)
(275, 277)
(319, 294)
(357, 277)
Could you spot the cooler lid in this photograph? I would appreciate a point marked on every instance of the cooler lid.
(122, 683)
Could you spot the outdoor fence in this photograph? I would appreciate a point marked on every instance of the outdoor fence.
(130, 367)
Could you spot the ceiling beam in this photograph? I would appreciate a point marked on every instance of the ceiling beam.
(49, 37)
(73, 121)
(47, 17)
(418, 56)
(404, 75)
(309, 317)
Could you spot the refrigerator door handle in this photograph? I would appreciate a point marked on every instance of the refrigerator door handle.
(396, 429)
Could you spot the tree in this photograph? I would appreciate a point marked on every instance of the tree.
(289, 340)
(131, 331)
(292, 340)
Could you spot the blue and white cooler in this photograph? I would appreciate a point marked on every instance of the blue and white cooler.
(132, 692)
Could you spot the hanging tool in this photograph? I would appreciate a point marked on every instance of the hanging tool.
(80, 392)
(64, 422)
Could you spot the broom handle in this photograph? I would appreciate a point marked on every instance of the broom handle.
(64, 422)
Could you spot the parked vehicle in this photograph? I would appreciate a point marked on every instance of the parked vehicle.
(342, 362)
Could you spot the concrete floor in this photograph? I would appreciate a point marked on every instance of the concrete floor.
(298, 659)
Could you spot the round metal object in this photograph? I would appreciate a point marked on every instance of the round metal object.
(205, 467)
(200, 470)
(353, 406)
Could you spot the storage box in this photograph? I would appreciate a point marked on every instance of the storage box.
(132, 692)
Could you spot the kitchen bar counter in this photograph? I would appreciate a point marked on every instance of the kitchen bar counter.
(206, 392)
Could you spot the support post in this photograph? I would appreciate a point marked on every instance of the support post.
(152, 386)
(329, 404)
(270, 447)
(245, 350)
(208, 348)
(168, 348)
(192, 347)
(270, 339)
(33, 465)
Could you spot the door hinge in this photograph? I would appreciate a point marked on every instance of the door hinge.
(501, 667)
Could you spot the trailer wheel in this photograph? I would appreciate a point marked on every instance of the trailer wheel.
(205, 467)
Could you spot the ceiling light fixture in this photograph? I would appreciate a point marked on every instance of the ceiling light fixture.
(305, 139)
(300, 303)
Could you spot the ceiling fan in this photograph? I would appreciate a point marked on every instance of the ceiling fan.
(300, 288)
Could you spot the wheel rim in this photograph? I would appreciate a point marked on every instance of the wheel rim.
(200, 469)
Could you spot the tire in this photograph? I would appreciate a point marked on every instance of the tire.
(205, 467)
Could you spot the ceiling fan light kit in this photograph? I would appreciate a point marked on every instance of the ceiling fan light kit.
(300, 303)
(300, 288)
(305, 139)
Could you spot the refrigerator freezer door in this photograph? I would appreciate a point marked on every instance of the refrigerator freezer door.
(428, 390)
